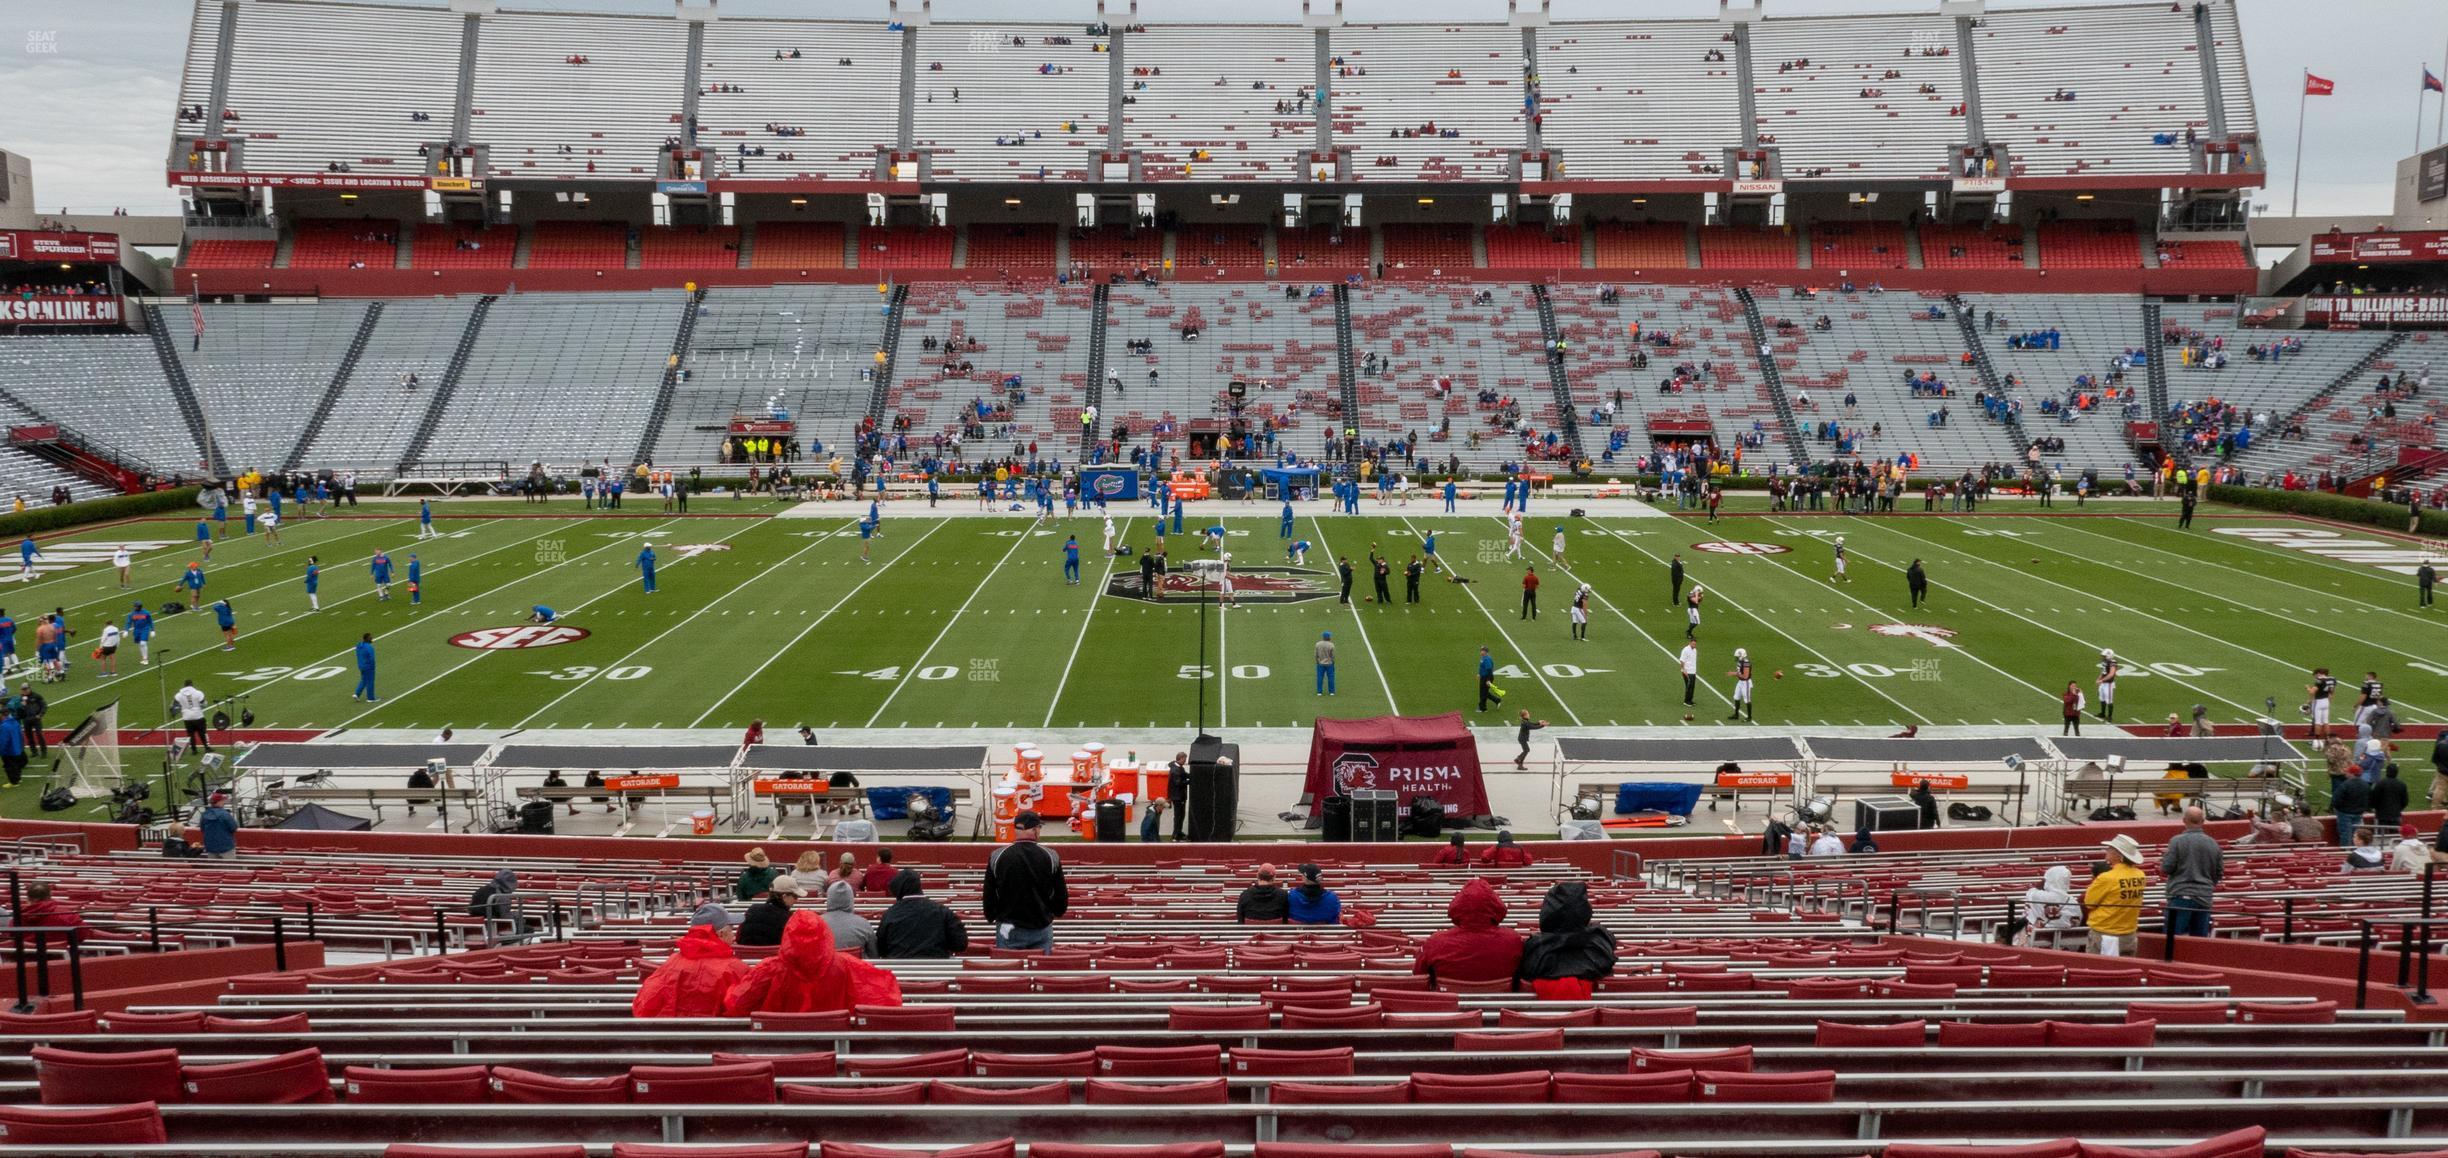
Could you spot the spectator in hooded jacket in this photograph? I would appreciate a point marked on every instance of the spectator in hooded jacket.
(1478, 947)
(767, 918)
(879, 875)
(1569, 956)
(1312, 903)
(41, 910)
(918, 926)
(1453, 855)
(850, 931)
(699, 974)
(1264, 900)
(1506, 854)
(810, 976)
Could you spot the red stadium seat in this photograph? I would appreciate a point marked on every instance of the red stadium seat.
(280, 1080)
(1337, 1094)
(1529, 1019)
(1894, 1035)
(445, 1085)
(153, 1023)
(737, 1084)
(74, 1024)
(415, 1150)
(1717, 982)
(1820, 988)
(294, 1023)
(2119, 978)
(1796, 1086)
(931, 1018)
(1457, 985)
(512, 1084)
(1636, 983)
(1654, 1016)
(2245, 1143)
(135, 1124)
(1510, 1041)
(1034, 1065)
(1998, 1034)
(2178, 1012)
(2286, 1013)
(283, 983)
(1473, 1152)
(1169, 985)
(799, 1022)
(1085, 1150)
(1339, 997)
(1211, 1092)
(1350, 1017)
(1158, 1061)
(2102, 1035)
(1516, 1087)
(734, 1150)
(73, 1078)
(1332, 1150)
(1958, 975)
(2295, 1152)
(1289, 1063)
(1217, 1018)
(900, 1094)
(1671, 1086)
(942, 1063)
(787, 1065)
(1001, 1148)
(1415, 1000)
(2059, 1148)
(943, 1093)
(1910, 989)
(1650, 1061)
(1450, 1019)
(2024, 976)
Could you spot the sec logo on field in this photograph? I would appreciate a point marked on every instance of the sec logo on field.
(1724, 547)
(518, 638)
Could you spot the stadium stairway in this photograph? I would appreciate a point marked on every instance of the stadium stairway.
(1347, 375)
(1987, 369)
(1095, 391)
(449, 384)
(331, 393)
(2153, 340)
(182, 390)
(653, 428)
(2327, 395)
(1776, 382)
(1556, 379)
(880, 392)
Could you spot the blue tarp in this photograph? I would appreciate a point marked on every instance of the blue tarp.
(1656, 796)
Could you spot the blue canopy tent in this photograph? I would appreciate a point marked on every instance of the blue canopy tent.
(1282, 481)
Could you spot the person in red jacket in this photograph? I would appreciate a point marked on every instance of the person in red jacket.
(879, 875)
(41, 910)
(1506, 854)
(1452, 855)
(699, 974)
(1478, 947)
(810, 976)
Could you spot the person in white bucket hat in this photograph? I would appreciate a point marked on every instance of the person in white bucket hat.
(2112, 905)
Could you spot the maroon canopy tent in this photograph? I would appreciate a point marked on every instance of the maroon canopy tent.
(1411, 755)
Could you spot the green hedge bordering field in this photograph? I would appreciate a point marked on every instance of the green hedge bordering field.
(37, 520)
(2323, 505)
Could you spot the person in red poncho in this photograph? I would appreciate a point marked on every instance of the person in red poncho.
(1453, 854)
(1506, 854)
(699, 974)
(1478, 947)
(810, 976)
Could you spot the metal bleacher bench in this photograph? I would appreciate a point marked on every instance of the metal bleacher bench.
(379, 798)
(2083, 793)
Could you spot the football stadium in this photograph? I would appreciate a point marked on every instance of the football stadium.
(1755, 579)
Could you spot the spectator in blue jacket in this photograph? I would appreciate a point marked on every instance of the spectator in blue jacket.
(1312, 903)
(12, 747)
(219, 827)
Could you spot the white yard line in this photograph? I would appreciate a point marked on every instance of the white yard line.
(140, 586)
(1507, 636)
(623, 541)
(1672, 654)
(2295, 556)
(1026, 533)
(1094, 598)
(1360, 621)
(813, 624)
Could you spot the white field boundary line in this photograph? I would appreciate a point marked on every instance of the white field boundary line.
(2232, 601)
(2250, 713)
(1669, 653)
(1507, 636)
(576, 686)
(1095, 598)
(209, 649)
(1360, 621)
(446, 673)
(2258, 547)
(1018, 541)
(838, 604)
(1911, 714)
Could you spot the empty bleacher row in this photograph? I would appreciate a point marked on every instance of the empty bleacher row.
(1869, 344)
(2111, 90)
(803, 350)
(1446, 365)
(1022, 352)
(2233, 383)
(2093, 331)
(1625, 361)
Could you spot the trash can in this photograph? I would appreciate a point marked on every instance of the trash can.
(1112, 820)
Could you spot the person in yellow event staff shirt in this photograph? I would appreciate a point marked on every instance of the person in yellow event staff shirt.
(2112, 906)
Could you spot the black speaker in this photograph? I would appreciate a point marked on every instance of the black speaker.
(1215, 789)
(1335, 823)
(535, 818)
(1376, 817)
(1110, 820)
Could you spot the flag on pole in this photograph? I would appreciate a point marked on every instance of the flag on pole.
(195, 310)
(2318, 86)
(2431, 82)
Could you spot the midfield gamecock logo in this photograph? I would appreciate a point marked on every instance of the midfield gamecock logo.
(1726, 547)
(1250, 585)
(518, 638)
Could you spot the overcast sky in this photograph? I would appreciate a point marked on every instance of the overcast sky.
(91, 96)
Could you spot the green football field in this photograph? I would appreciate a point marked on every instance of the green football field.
(967, 622)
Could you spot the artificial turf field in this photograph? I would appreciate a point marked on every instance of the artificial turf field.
(966, 621)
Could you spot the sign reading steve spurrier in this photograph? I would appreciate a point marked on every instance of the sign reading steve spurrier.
(2428, 311)
(61, 311)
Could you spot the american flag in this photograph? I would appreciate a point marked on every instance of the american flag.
(195, 311)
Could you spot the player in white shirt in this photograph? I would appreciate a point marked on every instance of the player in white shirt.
(1691, 611)
(2109, 666)
(1742, 685)
(1557, 546)
(1109, 535)
(271, 526)
(1224, 596)
(119, 562)
(246, 507)
(1513, 547)
(1689, 664)
(1840, 560)
(110, 650)
(1580, 613)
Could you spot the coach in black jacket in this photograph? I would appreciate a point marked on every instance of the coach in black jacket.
(1024, 889)
(917, 926)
